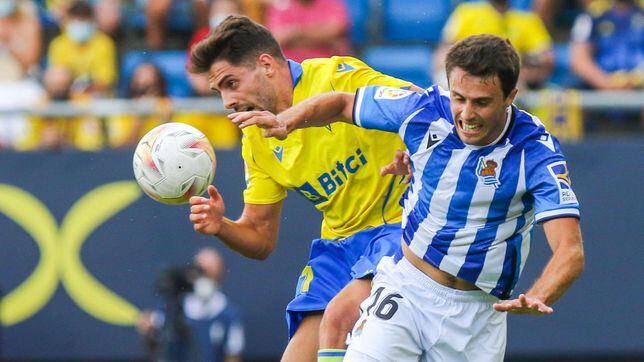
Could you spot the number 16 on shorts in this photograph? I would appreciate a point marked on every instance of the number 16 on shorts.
(381, 305)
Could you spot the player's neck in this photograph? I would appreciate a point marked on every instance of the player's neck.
(284, 90)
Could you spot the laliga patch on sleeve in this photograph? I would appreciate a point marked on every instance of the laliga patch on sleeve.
(559, 172)
(391, 93)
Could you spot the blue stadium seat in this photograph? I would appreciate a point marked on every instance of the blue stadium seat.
(562, 74)
(411, 62)
(414, 20)
(171, 63)
(180, 17)
(359, 13)
(525, 5)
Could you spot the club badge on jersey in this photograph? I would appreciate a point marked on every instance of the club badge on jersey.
(486, 170)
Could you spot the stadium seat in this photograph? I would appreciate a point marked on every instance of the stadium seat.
(180, 17)
(562, 75)
(359, 13)
(525, 5)
(411, 62)
(414, 20)
(171, 63)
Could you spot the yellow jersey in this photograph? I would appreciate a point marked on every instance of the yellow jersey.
(335, 167)
(525, 30)
(95, 59)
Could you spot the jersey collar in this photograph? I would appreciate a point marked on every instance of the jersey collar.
(296, 71)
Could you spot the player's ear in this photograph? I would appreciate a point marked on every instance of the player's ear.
(510, 98)
(267, 63)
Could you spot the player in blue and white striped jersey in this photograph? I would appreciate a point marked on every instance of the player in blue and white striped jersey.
(483, 172)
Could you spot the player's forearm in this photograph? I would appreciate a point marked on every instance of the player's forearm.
(250, 240)
(565, 266)
(583, 64)
(319, 111)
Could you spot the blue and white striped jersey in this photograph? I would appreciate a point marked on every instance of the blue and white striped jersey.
(469, 210)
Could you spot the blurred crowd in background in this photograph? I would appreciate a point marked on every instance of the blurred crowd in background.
(77, 51)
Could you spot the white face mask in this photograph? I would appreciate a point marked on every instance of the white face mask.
(204, 287)
(80, 31)
(7, 8)
(217, 19)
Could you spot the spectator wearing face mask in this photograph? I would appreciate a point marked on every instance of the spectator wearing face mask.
(205, 327)
(85, 52)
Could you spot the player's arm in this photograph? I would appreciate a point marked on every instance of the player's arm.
(253, 235)
(317, 111)
(564, 267)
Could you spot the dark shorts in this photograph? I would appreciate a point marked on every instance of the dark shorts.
(334, 263)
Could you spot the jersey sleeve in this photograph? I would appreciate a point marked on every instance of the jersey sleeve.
(385, 108)
(548, 180)
(356, 74)
(260, 187)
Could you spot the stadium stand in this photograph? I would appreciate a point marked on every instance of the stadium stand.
(410, 62)
(414, 20)
(359, 11)
(172, 65)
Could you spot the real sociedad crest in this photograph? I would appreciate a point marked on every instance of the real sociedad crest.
(486, 170)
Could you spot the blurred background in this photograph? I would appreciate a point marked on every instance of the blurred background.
(89, 266)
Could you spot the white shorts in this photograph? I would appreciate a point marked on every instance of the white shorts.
(410, 317)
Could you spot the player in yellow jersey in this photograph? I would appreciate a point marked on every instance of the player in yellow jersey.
(336, 168)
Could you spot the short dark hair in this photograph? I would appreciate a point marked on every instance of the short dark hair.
(486, 56)
(237, 40)
(80, 9)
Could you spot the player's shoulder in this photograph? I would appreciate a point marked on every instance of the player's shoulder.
(335, 64)
(531, 134)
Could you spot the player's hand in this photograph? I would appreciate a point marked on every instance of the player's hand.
(266, 120)
(399, 166)
(207, 214)
(523, 305)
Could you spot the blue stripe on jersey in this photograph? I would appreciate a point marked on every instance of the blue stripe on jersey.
(457, 212)
(431, 176)
(511, 263)
(416, 131)
(496, 216)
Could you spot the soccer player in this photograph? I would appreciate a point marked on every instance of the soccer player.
(336, 168)
(483, 172)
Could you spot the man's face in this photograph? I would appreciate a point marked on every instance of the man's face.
(478, 107)
(243, 87)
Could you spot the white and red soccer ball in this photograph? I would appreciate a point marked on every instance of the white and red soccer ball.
(173, 162)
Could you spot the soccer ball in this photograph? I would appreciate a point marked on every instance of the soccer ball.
(173, 162)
